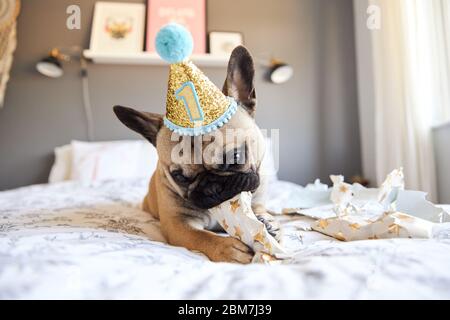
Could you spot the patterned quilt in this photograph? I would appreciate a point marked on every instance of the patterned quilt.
(75, 241)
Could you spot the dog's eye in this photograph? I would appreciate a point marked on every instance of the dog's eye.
(178, 176)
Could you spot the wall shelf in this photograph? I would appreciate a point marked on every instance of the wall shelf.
(147, 58)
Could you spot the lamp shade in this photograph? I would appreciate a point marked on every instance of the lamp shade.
(50, 66)
(279, 72)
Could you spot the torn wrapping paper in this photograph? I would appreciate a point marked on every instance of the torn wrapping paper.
(237, 218)
(367, 225)
(341, 196)
(358, 213)
(388, 194)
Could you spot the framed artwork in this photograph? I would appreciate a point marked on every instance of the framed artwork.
(223, 43)
(189, 13)
(118, 27)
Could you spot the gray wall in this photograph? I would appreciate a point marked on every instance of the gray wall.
(441, 137)
(316, 111)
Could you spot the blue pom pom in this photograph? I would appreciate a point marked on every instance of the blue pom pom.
(174, 43)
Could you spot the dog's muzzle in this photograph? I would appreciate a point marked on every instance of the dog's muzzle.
(213, 189)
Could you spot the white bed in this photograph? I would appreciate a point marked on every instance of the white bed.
(78, 240)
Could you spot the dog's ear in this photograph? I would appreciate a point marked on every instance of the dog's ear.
(145, 123)
(239, 83)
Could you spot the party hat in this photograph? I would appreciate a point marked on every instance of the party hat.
(194, 104)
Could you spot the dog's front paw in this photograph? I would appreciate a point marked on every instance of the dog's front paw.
(272, 226)
(230, 249)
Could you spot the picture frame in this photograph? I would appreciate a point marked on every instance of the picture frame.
(222, 43)
(118, 27)
(189, 13)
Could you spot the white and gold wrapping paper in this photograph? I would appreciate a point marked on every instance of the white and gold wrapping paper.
(390, 188)
(367, 225)
(357, 213)
(341, 195)
(237, 218)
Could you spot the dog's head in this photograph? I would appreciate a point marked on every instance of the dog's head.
(207, 170)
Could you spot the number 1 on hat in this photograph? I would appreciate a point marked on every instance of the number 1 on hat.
(189, 96)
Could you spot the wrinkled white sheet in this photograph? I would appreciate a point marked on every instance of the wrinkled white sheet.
(72, 241)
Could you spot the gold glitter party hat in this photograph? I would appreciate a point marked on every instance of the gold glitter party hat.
(194, 104)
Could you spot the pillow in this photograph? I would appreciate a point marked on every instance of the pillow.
(93, 161)
(62, 166)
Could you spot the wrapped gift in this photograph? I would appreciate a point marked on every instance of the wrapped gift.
(237, 218)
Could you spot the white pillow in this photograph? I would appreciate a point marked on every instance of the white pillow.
(62, 166)
(94, 161)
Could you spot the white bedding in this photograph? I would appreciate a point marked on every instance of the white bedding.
(70, 240)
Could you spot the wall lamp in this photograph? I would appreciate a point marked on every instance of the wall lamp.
(279, 72)
(52, 67)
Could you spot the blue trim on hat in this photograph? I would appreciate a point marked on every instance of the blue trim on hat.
(219, 122)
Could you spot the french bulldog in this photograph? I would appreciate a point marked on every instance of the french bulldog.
(181, 191)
